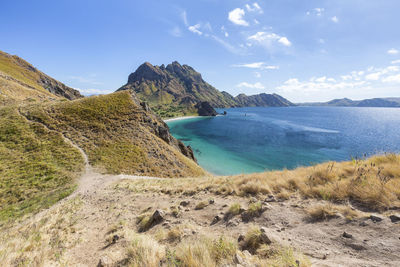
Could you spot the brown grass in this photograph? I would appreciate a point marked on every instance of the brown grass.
(329, 211)
(370, 184)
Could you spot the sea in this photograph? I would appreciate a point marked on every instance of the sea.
(257, 139)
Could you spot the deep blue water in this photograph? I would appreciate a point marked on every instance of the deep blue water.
(257, 139)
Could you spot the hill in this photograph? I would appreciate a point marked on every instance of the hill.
(42, 132)
(345, 102)
(176, 90)
(19, 81)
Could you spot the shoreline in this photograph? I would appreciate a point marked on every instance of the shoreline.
(180, 118)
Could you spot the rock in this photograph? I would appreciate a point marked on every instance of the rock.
(375, 218)
(157, 217)
(145, 106)
(104, 262)
(347, 235)
(184, 203)
(395, 218)
(163, 133)
(232, 223)
(241, 238)
(239, 259)
(211, 201)
(215, 220)
(363, 223)
(270, 198)
(264, 238)
(205, 109)
(253, 200)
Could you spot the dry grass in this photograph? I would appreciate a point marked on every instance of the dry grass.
(371, 184)
(41, 241)
(143, 250)
(201, 205)
(328, 211)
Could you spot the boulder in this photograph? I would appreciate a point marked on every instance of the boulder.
(395, 218)
(375, 218)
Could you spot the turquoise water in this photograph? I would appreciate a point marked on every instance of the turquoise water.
(251, 140)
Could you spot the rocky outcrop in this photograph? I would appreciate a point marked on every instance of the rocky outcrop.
(205, 109)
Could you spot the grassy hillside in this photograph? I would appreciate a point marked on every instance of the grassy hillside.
(17, 75)
(37, 167)
(118, 135)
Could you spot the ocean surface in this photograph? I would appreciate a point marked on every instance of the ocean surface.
(249, 140)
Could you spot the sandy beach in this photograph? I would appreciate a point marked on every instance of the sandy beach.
(180, 118)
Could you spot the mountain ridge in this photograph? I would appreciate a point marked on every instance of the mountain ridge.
(176, 89)
(36, 83)
(346, 102)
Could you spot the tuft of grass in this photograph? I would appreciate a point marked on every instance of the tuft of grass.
(322, 212)
(329, 211)
(235, 209)
(204, 251)
(144, 251)
(253, 240)
(144, 222)
(201, 205)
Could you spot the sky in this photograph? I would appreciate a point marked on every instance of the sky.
(304, 50)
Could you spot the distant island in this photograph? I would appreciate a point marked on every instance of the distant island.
(179, 90)
(392, 102)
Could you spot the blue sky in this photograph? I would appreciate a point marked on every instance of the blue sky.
(305, 50)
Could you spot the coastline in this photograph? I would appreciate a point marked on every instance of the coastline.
(180, 118)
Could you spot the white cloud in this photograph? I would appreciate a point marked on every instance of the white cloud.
(184, 18)
(257, 74)
(195, 29)
(284, 41)
(256, 85)
(257, 65)
(335, 19)
(231, 48)
(236, 17)
(392, 79)
(255, 7)
(317, 11)
(294, 85)
(374, 76)
(346, 77)
(321, 79)
(396, 62)
(393, 51)
(81, 79)
(223, 30)
(265, 38)
(175, 31)
(92, 91)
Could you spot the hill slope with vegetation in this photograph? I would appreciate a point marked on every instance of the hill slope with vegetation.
(119, 135)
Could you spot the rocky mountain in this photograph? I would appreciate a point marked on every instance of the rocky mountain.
(19, 80)
(177, 89)
(346, 102)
